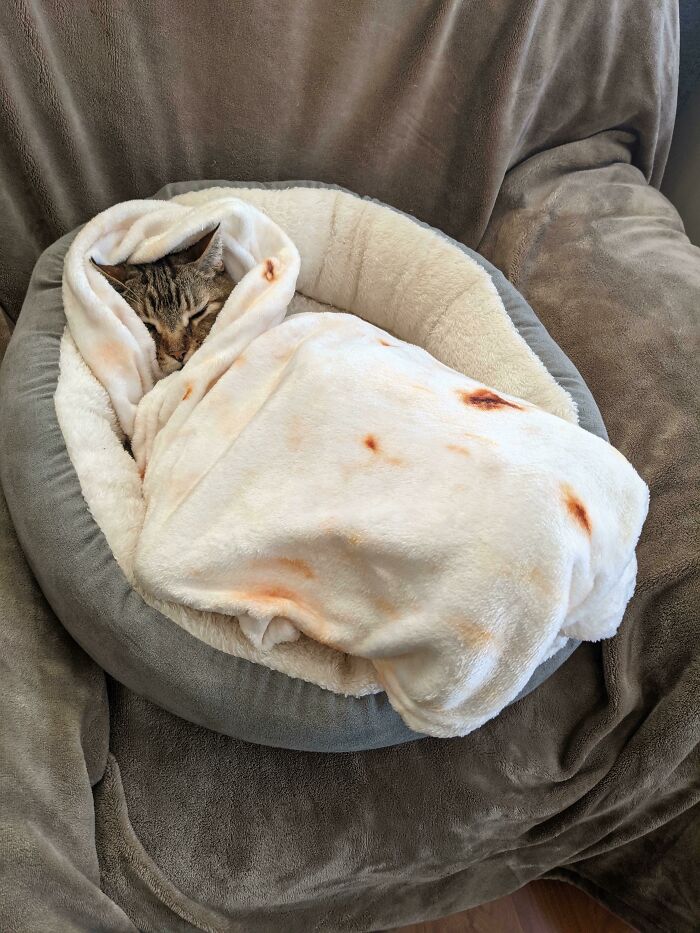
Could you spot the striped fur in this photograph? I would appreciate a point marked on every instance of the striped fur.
(177, 297)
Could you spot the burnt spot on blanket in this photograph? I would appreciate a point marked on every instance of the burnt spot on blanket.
(293, 565)
(188, 392)
(577, 510)
(371, 443)
(472, 635)
(272, 593)
(308, 618)
(459, 449)
(269, 270)
(486, 400)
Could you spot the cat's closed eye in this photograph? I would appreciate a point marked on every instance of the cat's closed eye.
(198, 315)
(159, 291)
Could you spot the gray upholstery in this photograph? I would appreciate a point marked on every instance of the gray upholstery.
(133, 642)
(535, 131)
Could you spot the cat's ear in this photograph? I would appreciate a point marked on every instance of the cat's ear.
(115, 275)
(207, 253)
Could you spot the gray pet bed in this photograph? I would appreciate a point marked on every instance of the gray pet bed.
(136, 644)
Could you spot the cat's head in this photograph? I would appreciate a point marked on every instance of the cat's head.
(177, 297)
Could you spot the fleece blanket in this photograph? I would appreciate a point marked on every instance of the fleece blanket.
(316, 477)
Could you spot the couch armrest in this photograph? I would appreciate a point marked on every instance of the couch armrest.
(603, 259)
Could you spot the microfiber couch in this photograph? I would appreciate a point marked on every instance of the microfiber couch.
(535, 132)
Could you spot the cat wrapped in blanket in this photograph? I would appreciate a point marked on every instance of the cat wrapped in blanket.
(322, 481)
(177, 297)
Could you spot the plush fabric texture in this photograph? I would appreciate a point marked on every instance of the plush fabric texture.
(455, 546)
(134, 642)
(432, 107)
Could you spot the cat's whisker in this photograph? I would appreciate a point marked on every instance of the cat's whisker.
(128, 291)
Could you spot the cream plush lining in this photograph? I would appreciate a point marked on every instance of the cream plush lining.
(355, 256)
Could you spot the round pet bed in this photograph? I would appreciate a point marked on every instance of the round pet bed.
(72, 560)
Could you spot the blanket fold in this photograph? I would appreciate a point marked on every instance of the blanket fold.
(316, 477)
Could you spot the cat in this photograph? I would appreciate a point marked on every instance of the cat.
(177, 297)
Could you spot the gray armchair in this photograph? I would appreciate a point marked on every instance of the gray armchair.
(537, 133)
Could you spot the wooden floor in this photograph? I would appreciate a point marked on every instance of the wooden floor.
(540, 907)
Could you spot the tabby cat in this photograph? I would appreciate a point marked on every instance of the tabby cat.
(177, 297)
